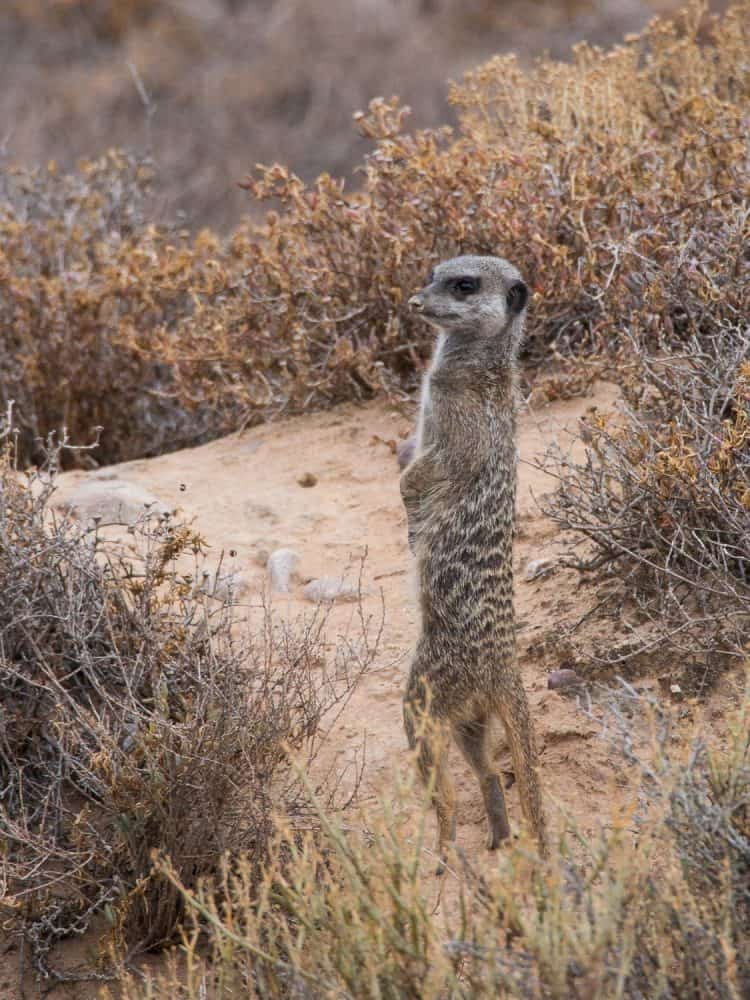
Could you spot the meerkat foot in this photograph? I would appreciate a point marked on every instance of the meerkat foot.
(497, 815)
(496, 839)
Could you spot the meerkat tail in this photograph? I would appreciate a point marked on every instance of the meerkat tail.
(432, 754)
(513, 710)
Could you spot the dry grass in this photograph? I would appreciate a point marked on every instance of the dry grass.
(658, 906)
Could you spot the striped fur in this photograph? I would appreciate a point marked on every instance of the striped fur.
(459, 494)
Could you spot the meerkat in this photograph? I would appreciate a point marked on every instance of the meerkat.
(459, 494)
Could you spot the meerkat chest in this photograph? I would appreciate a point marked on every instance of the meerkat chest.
(425, 423)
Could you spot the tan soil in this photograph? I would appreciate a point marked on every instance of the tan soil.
(244, 495)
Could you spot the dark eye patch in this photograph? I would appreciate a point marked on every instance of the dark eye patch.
(465, 286)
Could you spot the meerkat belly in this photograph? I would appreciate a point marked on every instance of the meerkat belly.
(466, 584)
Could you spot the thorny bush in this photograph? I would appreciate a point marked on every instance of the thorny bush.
(138, 714)
(661, 501)
(662, 910)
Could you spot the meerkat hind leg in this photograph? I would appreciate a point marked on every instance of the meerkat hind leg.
(472, 737)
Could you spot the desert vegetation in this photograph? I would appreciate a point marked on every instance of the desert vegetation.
(149, 741)
(618, 181)
(88, 280)
(207, 87)
(665, 916)
(139, 714)
(662, 499)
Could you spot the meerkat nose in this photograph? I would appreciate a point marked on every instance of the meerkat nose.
(416, 302)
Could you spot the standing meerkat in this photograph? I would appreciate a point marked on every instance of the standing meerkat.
(459, 493)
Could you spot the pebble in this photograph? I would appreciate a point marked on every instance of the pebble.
(113, 500)
(332, 588)
(562, 679)
(224, 587)
(307, 480)
(281, 567)
(537, 568)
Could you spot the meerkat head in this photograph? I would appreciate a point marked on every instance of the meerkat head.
(475, 297)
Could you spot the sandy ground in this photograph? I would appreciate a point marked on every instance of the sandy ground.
(244, 495)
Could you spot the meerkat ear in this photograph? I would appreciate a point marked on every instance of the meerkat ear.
(518, 295)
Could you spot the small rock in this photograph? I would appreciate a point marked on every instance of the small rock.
(307, 480)
(537, 568)
(332, 588)
(224, 587)
(113, 500)
(281, 566)
(584, 431)
(405, 451)
(675, 690)
(562, 678)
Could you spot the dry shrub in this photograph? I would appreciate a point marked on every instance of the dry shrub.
(617, 184)
(88, 282)
(207, 85)
(137, 715)
(662, 499)
(665, 913)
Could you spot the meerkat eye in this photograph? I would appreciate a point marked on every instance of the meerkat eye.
(466, 286)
